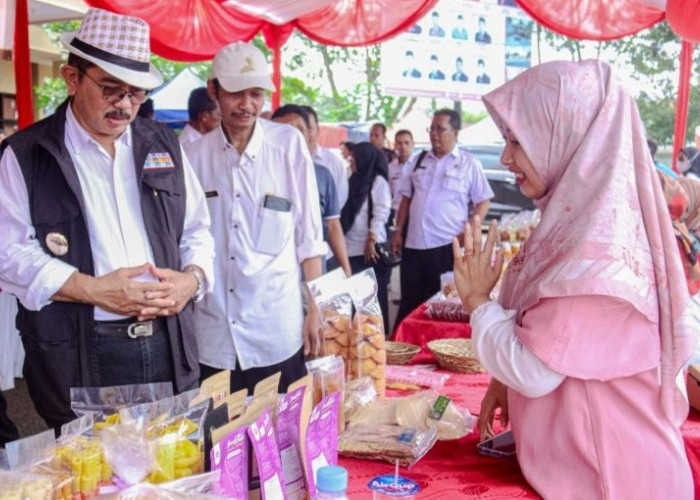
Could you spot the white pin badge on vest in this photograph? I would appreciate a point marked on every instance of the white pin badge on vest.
(57, 243)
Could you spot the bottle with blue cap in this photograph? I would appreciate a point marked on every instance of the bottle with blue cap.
(331, 483)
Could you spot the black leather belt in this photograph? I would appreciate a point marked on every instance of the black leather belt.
(131, 327)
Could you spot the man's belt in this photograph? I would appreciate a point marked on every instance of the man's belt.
(131, 327)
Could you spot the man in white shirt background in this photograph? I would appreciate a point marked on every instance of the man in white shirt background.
(327, 158)
(403, 146)
(203, 113)
(106, 230)
(435, 197)
(260, 185)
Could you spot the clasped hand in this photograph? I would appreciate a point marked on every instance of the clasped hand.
(476, 272)
(120, 293)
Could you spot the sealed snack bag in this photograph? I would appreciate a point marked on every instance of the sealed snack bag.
(217, 387)
(230, 457)
(335, 310)
(293, 410)
(23, 486)
(390, 443)
(328, 377)
(367, 344)
(104, 403)
(200, 487)
(37, 455)
(321, 444)
(262, 437)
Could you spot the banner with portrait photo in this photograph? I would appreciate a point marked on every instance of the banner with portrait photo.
(461, 50)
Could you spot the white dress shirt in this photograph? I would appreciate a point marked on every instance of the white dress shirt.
(397, 171)
(496, 346)
(189, 134)
(338, 169)
(356, 237)
(440, 192)
(255, 313)
(113, 216)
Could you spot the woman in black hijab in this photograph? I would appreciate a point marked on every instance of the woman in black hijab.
(365, 215)
(689, 162)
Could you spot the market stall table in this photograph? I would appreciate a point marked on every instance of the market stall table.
(419, 329)
(453, 469)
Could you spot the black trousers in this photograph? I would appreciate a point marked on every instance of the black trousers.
(383, 274)
(420, 276)
(291, 369)
(8, 429)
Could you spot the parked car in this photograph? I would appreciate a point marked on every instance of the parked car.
(507, 196)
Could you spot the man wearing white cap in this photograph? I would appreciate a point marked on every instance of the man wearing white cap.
(261, 189)
(106, 229)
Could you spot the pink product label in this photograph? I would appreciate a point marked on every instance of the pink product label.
(262, 436)
(288, 417)
(231, 457)
(322, 437)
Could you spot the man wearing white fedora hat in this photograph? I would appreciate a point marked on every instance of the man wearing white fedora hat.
(107, 239)
(261, 189)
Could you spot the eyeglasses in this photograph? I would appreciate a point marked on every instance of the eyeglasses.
(437, 130)
(113, 94)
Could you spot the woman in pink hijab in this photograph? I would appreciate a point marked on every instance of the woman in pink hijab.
(587, 341)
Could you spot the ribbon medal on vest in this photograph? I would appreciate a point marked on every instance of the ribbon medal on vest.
(57, 243)
(158, 161)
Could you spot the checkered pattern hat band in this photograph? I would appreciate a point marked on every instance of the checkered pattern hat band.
(113, 38)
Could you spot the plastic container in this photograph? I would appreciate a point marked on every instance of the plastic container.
(331, 483)
(391, 486)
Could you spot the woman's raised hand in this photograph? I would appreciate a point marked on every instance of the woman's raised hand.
(476, 272)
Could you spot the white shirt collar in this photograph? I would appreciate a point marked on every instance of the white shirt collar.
(454, 153)
(252, 149)
(81, 138)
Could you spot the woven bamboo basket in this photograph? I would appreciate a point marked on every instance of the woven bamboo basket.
(455, 355)
(400, 353)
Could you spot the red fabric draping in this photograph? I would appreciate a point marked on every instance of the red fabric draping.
(682, 100)
(23, 66)
(593, 19)
(682, 16)
(418, 329)
(453, 469)
(193, 30)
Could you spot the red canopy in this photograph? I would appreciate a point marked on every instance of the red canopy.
(194, 30)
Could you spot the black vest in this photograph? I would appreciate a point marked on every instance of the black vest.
(56, 205)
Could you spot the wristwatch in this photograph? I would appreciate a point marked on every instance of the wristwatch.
(199, 276)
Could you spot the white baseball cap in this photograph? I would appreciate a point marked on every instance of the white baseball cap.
(239, 66)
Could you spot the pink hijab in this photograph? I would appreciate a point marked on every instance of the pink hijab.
(605, 228)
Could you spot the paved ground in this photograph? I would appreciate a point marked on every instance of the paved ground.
(21, 408)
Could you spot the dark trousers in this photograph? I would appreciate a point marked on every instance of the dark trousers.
(8, 429)
(118, 360)
(383, 274)
(420, 276)
(121, 360)
(291, 370)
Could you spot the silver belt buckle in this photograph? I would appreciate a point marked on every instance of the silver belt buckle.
(144, 329)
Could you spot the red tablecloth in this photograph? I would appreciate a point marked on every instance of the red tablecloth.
(418, 329)
(454, 470)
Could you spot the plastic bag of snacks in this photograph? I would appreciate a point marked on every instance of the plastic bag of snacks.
(430, 410)
(37, 455)
(416, 375)
(173, 426)
(359, 393)
(328, 375)
(391, 443)
(23, 486)
(199, 487)
(519, 226)
(104, 403)
(335, 312)
(367, 344)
